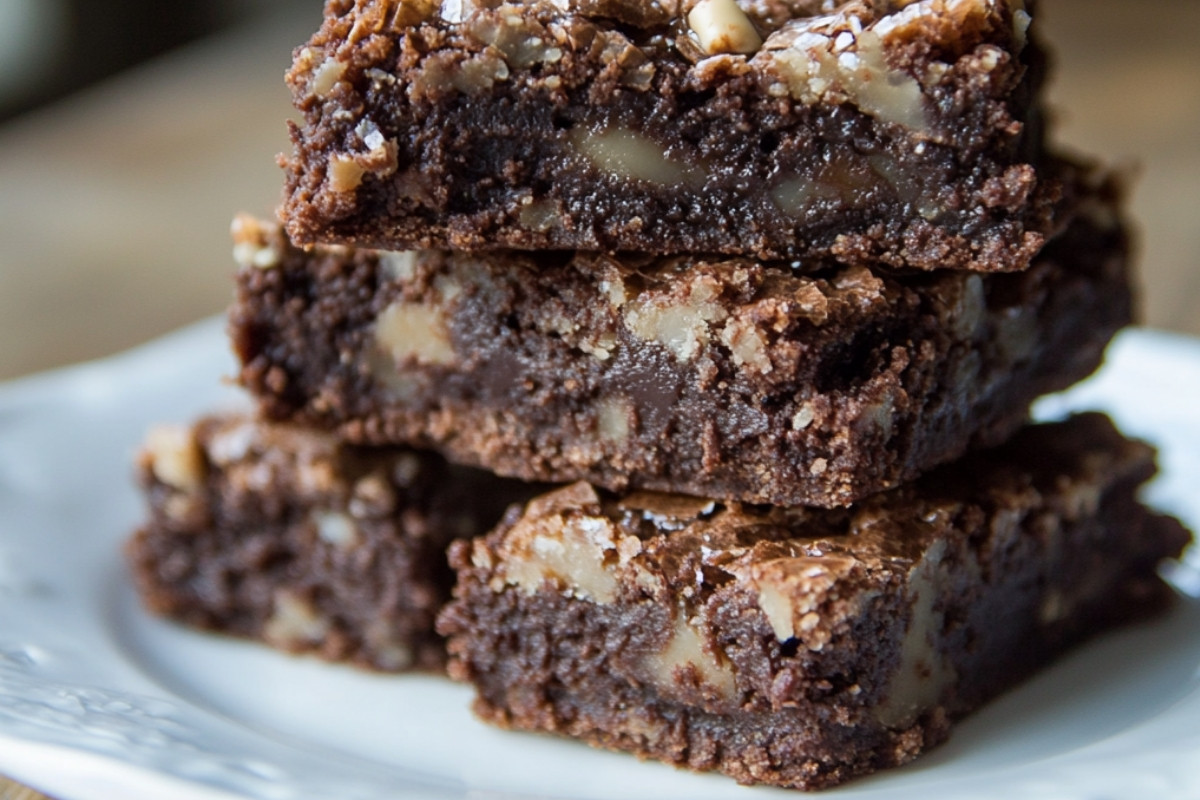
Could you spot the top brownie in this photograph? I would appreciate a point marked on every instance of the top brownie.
(898, 133)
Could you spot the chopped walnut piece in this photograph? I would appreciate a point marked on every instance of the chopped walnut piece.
(255, 243)
(345, 173)
(326, 76)
(623, 153)
(175, 457)
(722, 27)
(414, 331)
(295, 622)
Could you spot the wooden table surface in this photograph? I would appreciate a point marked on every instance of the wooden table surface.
(115, 205)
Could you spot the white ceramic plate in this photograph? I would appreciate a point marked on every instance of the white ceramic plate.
(98, 700)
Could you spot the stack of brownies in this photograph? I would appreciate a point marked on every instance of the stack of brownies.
(765, 288)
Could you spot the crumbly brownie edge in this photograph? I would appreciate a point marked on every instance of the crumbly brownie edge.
(732, 380)
(398, 151)
(278, 534)
(1023, 570)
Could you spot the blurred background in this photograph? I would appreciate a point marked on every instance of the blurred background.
(51, 48)
(131, 131)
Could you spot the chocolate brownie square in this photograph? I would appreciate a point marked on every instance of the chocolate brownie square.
(897, 133)
(801, 647)
(712, 376)
(281, 534)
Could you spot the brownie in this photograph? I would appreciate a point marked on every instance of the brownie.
(272, 532)
(802, 647)
(710, 376)
(898, 133)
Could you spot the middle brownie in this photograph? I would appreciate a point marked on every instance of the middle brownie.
(713, 377)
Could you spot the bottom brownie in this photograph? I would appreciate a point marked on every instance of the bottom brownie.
(277, 533)
(799, 647)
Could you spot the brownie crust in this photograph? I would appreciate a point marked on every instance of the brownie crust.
(800, 647)
(856, 130)
(283, 535)
(706, 376)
